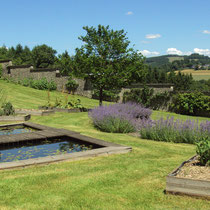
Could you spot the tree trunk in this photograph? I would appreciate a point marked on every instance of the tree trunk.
(100, 97)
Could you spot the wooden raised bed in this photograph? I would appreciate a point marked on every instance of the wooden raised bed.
(34, 112)
(75, 110)
(185, 186)
(15, 118)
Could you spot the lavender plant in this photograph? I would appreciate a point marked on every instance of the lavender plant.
(119, 118)
(171, 130)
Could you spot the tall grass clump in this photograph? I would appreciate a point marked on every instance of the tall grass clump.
(171, 130)
(119, 118)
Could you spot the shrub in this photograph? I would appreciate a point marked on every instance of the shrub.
(147, 97)
(7, 109)
(178, 131)
(203, 150)
(41, 84)
(195, 103)
(107, 95)
(118, 118)
(139, 95)
(72, 85)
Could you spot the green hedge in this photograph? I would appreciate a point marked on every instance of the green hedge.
(196, 104)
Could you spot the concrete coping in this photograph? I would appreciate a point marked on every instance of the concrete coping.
(44, 132)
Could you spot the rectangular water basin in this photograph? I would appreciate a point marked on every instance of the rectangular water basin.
(15, 129)
(48, 145)
(24, 150)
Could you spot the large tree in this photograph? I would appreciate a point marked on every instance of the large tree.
(106, 59)
(43, 56)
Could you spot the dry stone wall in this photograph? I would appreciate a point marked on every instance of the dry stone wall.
(27, 71)
(84, 89)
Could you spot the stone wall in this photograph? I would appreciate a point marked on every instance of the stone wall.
(84, 89)
(158, 88)
(27, 71)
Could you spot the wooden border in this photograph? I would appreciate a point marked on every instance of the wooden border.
(25, 117)
(44, 132)
(34, 112)
(185, 186)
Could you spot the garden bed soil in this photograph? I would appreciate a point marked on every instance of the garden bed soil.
(25, 117)
(193, 170)
(190, 179)
(34, 112)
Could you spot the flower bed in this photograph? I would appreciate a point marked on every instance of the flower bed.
(171, 130)
(187, 183)
(119, 118)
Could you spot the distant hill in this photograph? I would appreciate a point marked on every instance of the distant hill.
(163, 59)
(176, 62)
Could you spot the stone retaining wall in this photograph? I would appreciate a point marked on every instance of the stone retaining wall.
(84, 89)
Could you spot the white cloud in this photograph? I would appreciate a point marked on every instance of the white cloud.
(149, 53)
(174, 51)
(152, 36)
(206, 32)
(202, 51)
(129, 13)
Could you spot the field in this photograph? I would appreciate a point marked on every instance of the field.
(171, 59)
(197, 75)
(127, 181)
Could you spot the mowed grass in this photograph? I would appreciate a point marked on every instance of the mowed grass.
(197, 75)
(134, 180)
(126, 181)
(25, 97)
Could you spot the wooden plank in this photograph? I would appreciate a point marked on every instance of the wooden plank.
(192, 187)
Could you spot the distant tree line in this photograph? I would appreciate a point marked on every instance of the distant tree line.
(106, 59)
(41, 56)
(195, 61)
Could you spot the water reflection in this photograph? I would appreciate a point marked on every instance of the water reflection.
(42, 148)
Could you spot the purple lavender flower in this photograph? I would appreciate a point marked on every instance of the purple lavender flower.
(188, 131)
(119, 117)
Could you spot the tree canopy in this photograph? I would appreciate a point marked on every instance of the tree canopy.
(43, 56)
(106, 59)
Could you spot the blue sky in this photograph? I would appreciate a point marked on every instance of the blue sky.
(155, 27)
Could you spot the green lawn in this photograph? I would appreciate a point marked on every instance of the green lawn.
(25, 97)
(201, 77)
(127, 181)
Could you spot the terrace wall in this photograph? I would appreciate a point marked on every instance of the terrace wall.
(84, 89)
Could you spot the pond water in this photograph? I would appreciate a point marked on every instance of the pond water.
(41, 148)
(7, 130)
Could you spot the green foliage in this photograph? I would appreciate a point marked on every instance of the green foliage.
(169, 63)
(108, 95)
(7, 109)
(65, 63)
(194, 103)
(203, 150)
(160, 100)
(43, 56)
(42, 84)
(148, 98)
(201, 86)
(71, 85)
(106, 60)
(139, 95)
(0, 70)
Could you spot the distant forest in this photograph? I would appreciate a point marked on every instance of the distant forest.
(174, 62)
(157, 69)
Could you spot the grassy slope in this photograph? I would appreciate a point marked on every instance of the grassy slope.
(24, 97)
(128, 181)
